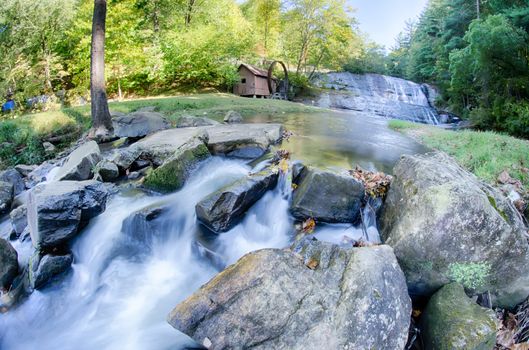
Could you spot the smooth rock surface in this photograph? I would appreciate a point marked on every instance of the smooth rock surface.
(8, 264)
(44, 268)
(80, 163)
(233, 117)
(13, 177)
(6, 196)
(108, 170)
(270, 299)
(139, 124)
(452, 321)
(56, 210)
(445, 225)
(225, 208)
(188, 121)
(327, 197)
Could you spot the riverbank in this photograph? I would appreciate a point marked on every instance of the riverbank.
(486, 154)
(26, 138)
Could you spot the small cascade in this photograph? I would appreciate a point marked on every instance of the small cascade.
(369, 222)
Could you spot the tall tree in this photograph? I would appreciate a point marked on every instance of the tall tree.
(101, 119)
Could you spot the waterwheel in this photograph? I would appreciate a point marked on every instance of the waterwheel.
(281, 90)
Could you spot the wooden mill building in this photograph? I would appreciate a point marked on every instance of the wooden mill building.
(253, 82)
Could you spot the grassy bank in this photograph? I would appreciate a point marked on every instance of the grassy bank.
(486, 154)
(21, 137)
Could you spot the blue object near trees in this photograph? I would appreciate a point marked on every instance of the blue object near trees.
(9, 106)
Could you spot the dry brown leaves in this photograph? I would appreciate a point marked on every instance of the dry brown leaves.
(376, 183)
(508, 333)
(505, 179)
(287, 134)
(308, 226)
(312, 264)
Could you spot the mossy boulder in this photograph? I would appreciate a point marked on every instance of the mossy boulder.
(452, 321)
(445, 225)
(173, 173)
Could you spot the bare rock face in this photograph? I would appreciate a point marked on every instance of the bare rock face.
(445, 225)
(46, 267)
(139, 124)
(6, 196)
(19, 219)
(8, 264)
(57, 210)
(319, 296)
(233, 117)
(327, 196)
(13, 177)
(81, 163)
(225, 208)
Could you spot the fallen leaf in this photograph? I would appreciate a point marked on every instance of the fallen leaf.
(312, 264)
(308, 226)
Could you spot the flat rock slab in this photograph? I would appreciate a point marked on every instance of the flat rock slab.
(139, 124)
(327, 196)
(56, 210)
(225, 208)
(452, 321)
(80, 163)
(320, 296)
(445, 225)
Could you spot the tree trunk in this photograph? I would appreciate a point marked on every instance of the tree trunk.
(101, 120)
(189, 12)
(478, 10)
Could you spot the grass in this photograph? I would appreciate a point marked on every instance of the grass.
(486, 154)
(21, 137)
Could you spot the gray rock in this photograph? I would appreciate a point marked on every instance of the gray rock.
(188, 121)
(243, 140)
(8, 264)
(319, 297)
(39, 174)
(134, 175)
(19, 219)
(147, 109)
(44, 268)
(56, 210)
(117, 114)
(452, 321)
(445, 225)
(144, 224)
(222, 210)
(81, 163)
(327, 197)
(13, 177)
(49, 147)
(108, 170)
(6, 196)
(139, 124)
(233, 117)
(25, 170)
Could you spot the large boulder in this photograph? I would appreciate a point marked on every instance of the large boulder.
(187, 121)
(320, 296)
(13, 177)
(327, 196)
(243, 140)
(8, 264)
(107, 170)
(6, 196)
(57, 210)
(222, 210)
(43, 268)
(81, 163)
(139, 124)
(452, 321)
(173, 173)
(445, 225)
(19, 219)
(233, 117)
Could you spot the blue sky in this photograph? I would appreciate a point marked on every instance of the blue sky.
(382, 20)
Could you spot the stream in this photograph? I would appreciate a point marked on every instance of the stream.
(120, 289)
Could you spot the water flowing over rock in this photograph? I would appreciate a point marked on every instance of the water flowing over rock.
(81, 163)
(8, 264)
(452, 321)
(445, 225)
(382, 95)
(327, 196)
(320, 296)
(188, 121)
(225, 208)
(43, 268)
(139, 124)
(57, 210)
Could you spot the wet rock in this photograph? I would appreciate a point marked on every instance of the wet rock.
(188, 121)
(139, 124)
(19, 219)
(80, 163)
(44, 268)
(173, 173)
(25, 170)
(320, 296)
(108, 170)
(134, 175)
(38, 175)
(57, 210)
(8, 264)
(13, 177)
(243, 140)
(6, 196)
(222, 210)
(49, 147)
(233, 117)
(452, 321)
(445, 225)
(144, 224)
(327, 197)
